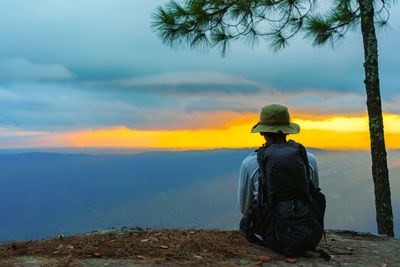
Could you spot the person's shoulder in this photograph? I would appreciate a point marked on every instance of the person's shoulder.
(250, 159)
(311, 156)
(312, 160)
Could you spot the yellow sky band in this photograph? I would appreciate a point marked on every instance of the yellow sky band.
(331, 133)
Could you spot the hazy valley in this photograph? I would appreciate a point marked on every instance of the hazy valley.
(43, 194)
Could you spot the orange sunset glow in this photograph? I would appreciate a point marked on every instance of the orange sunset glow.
(330, 133)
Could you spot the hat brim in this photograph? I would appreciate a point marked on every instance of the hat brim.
(292, 128)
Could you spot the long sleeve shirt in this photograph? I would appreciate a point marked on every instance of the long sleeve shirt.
(248, 180)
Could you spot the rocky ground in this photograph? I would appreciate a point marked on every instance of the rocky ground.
(137, 247)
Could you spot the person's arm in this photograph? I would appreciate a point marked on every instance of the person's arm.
(245, 190)
(314, 169)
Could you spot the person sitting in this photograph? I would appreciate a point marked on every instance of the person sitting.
(274, 126)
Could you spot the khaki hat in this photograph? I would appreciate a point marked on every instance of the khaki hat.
(275, 118)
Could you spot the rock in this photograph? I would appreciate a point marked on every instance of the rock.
(127, 230)
(123, 231)
(351, 233)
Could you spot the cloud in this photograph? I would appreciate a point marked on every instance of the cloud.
(311, 102)
(51, 106)
(16, 132)
(191, 89)
(45, 73)
(20, 69)
(316, 102)
(199, 82)
(187, 77)
(217, 104)
(116, 41)
(68, 106)
(392, 105)
(64, 106)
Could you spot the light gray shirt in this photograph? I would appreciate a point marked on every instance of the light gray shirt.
(248, 180)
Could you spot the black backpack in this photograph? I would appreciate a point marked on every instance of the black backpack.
(289, 211)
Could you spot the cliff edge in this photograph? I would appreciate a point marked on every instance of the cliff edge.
(137, 247)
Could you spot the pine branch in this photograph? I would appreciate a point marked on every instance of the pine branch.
(209, 23)
(333, 25)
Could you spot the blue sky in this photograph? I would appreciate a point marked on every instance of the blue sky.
(67, 65)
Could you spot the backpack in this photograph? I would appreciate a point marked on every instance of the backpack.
(289, 212)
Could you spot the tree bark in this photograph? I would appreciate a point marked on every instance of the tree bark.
(380, 173)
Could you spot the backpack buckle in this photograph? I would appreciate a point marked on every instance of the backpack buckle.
(293, 206)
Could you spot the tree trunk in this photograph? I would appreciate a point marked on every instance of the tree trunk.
(380, 173)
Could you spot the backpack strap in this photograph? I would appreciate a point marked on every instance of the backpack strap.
(303, 154)
(323, 254)
(262, 178)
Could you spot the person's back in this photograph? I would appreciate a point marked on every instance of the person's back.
(248, 180)
(280, 174)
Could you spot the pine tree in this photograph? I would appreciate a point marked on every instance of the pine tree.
(211, 23)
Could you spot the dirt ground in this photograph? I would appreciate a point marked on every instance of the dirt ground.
(135, 247)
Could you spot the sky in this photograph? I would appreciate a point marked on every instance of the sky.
(92, 73)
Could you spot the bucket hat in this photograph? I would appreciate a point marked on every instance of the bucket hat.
(274, 119)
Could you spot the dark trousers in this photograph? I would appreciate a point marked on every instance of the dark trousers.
(246, 227)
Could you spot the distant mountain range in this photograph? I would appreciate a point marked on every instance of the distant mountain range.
(43, 194)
